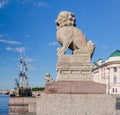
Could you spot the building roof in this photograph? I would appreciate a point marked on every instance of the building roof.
(115, 54)
(114, 58)
(96, 64)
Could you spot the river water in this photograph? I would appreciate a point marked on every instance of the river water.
(4, 101)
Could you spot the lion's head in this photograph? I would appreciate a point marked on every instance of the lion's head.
(65, 19)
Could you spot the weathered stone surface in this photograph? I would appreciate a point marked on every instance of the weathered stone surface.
(73, 68)
(22, 105)
(18, 109)
(75, 87)
(75, 104)
(74, 58)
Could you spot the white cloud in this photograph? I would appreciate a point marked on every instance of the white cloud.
(18, 49)
(25, 1)
(54, 43)
(5, 35)
(3, 3)
(9, 41)
(9, 48)
(34, 2)
(41, 4)
(28, 59)
(31, 67)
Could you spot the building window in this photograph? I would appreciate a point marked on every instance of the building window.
(115, 69)
(113, 90)
(115, 80)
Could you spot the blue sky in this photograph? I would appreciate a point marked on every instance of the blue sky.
(30, 25)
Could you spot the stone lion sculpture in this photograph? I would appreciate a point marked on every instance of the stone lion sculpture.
(71, 37)
(48, 78)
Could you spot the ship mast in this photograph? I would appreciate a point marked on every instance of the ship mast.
(23, 72)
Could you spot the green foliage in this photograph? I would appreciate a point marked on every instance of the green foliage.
(38, 88)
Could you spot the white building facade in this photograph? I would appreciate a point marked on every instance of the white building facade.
(108, 72)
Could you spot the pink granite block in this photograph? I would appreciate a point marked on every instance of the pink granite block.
(75, 87)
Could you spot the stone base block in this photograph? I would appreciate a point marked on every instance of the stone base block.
(74, 68)
(22, 105)
(75, 87)
(74, 77)
(75, 104)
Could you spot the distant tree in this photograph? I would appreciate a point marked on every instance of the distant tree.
(38, 88)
